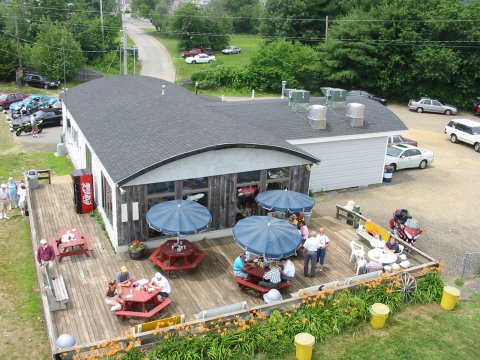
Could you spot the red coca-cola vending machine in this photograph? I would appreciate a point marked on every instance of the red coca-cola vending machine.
(83, 191)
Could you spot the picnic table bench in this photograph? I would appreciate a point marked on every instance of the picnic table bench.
(144, 315)
(243, 283)
(56, 290)
(210, 313)
(370, 229)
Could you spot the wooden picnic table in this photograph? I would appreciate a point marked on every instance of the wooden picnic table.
(71, 242)
(168, 258)
(255, 274)
(137, 303)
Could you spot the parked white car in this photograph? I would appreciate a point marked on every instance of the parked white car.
(200, 59)
(464, 130)
(403, 156)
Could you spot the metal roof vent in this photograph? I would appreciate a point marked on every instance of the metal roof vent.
(317, 116)
(355, 114)
(337, 98)
(299, 100)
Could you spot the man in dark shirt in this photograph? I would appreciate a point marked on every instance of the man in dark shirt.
(46, 256)
(392, 246)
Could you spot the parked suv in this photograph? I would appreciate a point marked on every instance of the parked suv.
(465, 130)
(40, 81)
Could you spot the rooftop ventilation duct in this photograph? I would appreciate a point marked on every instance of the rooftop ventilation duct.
(317, 116)
(355, 114)
(337, 98)
(299, 100)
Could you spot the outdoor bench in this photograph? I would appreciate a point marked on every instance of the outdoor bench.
(261, 290)
(370, 229)
(145, 315)
(56, 290)
(362, 278)
(158, 324)
(210, 313)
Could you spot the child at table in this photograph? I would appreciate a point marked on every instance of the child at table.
(112, 297)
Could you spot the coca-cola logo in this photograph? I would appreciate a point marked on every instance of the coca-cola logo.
(87, 193)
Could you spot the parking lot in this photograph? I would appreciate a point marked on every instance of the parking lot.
(443, 197)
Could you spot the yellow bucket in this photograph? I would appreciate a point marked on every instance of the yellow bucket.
(304, 346)
(449, 297)
(379, 314)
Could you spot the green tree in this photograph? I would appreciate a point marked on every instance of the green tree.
(244, 14)
(196, 29)
(281, 60)
(56, 49)
(144, 9)
(160, 17)
(8, 58)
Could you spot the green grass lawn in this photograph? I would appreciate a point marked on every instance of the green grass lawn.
(419, 332)
(21, 314)
(183, 71)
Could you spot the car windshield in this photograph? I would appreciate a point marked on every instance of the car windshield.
(391, 151)
(3, 97)
(40, 114)
(476, 130)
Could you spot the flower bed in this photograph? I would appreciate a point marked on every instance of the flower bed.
(323, 315)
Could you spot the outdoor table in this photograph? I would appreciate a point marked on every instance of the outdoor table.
(382, 256)
(137, 300)
(255, 272)
(77, 244)
(168, 258)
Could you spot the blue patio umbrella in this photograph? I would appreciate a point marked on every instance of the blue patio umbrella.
(179, 217)
(285, 201)
(268, 236)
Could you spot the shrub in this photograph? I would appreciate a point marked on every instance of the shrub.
(429, 289)
(221, 75)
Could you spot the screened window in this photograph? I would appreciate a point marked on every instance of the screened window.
(107, 202)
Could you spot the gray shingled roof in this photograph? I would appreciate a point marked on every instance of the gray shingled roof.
(133, 128)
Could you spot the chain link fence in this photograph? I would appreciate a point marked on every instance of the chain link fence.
(471, 265)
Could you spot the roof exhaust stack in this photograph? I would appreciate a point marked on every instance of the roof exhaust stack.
(163, 89)
(317, 116)
(284, 86)
(355, 114)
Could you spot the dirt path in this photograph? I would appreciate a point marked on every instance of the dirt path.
(443, 197)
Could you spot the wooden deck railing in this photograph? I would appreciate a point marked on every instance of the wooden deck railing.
(150, 338)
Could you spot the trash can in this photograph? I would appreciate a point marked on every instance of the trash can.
(304, 346)
(379, 314)
(307, 215)
(32, 179)
(388, 173)
(356, 221)
(449, 297)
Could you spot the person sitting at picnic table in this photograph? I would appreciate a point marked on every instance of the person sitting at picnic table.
(160, 282)
(392, 245)
(238, 264)
(287, 269)
(112, 297)
(272, 278)
(123, 277)
(293, 220)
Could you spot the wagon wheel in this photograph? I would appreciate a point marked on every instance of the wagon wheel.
(407, 286)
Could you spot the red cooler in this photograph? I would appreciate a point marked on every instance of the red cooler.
(83, 191)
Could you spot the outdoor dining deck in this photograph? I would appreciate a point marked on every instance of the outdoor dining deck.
(210, 285)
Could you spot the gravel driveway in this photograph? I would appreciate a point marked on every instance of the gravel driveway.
(443, 197)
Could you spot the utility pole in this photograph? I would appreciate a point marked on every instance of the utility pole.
(19, 48)
(125, 55)
(101, 21)
(326, 28)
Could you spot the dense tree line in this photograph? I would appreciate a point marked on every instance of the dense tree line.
(54, 33)
(398, 48)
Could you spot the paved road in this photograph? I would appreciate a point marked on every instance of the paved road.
(153, 55)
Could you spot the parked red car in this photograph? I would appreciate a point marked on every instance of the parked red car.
(196, 51)
(11, 97)
(476, 106)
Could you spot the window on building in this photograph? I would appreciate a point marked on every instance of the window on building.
(278, 178)
(196, 190)
(247, 189)
(107, 202)
(162, 188)
(88, 158)
(153, 201)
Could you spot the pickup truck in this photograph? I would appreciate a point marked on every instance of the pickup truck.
(196, 51)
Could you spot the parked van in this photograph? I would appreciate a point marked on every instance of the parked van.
(464, 130)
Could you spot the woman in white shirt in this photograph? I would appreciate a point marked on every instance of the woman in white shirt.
(323, 242)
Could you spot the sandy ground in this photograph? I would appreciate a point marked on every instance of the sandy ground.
(443, 197)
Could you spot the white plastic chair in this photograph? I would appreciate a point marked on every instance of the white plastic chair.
(361, 263)
(357, 251)
(401, 249)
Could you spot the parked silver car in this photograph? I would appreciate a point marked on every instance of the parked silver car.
(230, 50)
(425, 104)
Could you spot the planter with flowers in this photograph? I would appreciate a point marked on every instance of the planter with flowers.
(136, 249)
